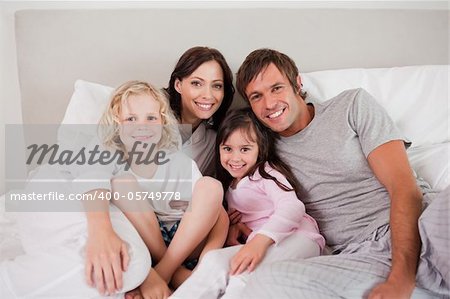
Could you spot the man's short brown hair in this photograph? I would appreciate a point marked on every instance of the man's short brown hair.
(258, 60)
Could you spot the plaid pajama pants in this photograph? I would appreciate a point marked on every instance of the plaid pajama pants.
(357, 269)
(168, 235)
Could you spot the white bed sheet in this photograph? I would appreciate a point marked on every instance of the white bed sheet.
(10, 245)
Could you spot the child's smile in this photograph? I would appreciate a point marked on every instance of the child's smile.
(140, 120)
(238, 154)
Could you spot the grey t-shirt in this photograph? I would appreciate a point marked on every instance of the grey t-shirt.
(329, 158)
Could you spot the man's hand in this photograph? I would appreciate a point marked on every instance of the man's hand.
(388, 289)
(237, 234)
(235, 216)
(250, 255)
(106, 258)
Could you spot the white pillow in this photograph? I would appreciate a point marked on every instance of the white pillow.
(87, 103)
(432, 164)
(83, 113)
(416, 97)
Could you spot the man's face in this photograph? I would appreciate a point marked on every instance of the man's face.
(274, 101)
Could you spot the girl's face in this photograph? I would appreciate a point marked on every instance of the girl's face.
(140, 120)
(238, 154)
(201, 92)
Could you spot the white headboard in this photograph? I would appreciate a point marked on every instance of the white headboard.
(57, 47)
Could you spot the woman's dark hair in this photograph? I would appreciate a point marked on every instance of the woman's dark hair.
(244, 119)
(188, 63)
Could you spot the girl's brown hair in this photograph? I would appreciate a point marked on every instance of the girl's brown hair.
(245, 120)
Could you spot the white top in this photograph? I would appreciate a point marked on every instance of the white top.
(170, 189)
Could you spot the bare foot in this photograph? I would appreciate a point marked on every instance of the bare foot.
(154, 286)
(180, 276)
(133, 294)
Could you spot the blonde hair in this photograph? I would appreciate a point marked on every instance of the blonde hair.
(109, 124)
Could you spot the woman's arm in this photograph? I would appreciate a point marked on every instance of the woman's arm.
(106, 254)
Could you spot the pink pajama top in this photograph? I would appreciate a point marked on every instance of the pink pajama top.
(269, 210)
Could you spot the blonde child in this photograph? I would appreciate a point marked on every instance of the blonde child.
(262, 188)
(176, 211)
(90, 249)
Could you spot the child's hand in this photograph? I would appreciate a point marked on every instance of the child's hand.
(250, 255)
(234, 215)
(106, 258)
(154, 287)
(237, 233)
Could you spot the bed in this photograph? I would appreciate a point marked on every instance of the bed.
(69, 60)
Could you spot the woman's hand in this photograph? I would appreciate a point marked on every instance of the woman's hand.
(237, 234)
(234, 215)
(106, 258)
(250, 255)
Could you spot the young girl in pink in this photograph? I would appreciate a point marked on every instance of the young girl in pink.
(263, 189)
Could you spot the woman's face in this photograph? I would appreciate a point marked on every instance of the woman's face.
(201, 92)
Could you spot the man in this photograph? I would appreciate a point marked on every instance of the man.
(357, 183)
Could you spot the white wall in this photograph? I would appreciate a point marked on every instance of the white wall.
(2, 109)
(10, 108)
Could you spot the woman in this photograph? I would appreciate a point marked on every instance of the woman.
(200, 92)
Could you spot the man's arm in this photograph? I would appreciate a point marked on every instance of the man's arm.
(390, 165)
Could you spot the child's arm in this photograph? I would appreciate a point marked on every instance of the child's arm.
(250, 255)
(140, 213)
(288, 210)
(286, 218)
